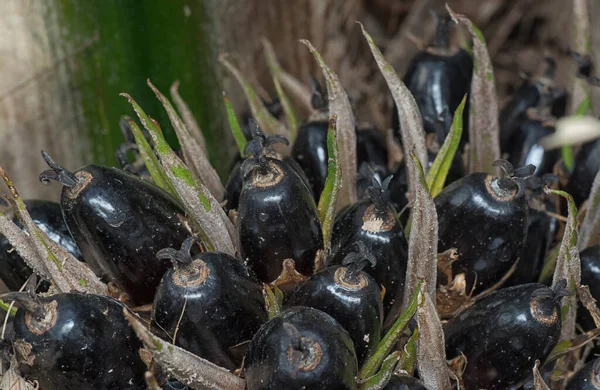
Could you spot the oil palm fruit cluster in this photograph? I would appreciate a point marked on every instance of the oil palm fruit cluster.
(323, 261)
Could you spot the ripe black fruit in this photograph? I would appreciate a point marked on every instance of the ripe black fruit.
(234, 184)
(504, 333)
(485, 219)
(541, 229)
(302, 348)
(375, 222)
(438, 78)
(350, 296)
(536, 92)
(403, 382)
(524, 145)
(310, 146)
(588, 378)
(48, 217)
(119, 223)
(75, 341)
(590, 276)
(587, 165)
(277, 218)
(210, 303)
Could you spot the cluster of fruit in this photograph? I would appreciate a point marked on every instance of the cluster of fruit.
(286, 296)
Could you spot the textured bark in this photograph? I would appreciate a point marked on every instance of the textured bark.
(36, 109)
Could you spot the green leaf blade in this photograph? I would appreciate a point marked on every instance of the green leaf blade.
(333, 183)
(436, 177)
(234, 125)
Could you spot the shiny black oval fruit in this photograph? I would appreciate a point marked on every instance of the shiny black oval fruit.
(211, 303)
(588, 378)
(310, 151)
(539, 92)
(350, 296)
(503, 334)
(375, 222)
(277, 219)
(398, 382)
(485, 219)
(587, 165)
(524, 146)
(75, 341)
(439, 77)
(48, 217)
(541, 229)
(590, 276)
(119, 222)
(233, 187)
(302, 348)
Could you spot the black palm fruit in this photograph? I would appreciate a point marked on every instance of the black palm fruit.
(439, 77)
(234, 184)
(302, 348)
(587, 165)
(503, 334)
(211, 303)
(541, 230)
(402, 382)
(277, 218)
(588, 378)
(524, 146)
(310, 146)
(48, 217)
(351, 296)
(534, 92)
(120, 222)
(485, 218)
(590, 276)
(375, 222)
(76, 341)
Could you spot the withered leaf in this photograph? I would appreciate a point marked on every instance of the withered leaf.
(190, 369)
(423, 238)
(484, 129)
(194, 154)
(589, 233)
(43, 255)
(411, 122)
(346, 132)
(431, 352)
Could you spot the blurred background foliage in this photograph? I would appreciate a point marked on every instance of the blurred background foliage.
(63, 63)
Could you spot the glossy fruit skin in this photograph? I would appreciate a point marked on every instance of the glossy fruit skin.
(541, 229)
(388, 245)
(120, 222)
(310, 151)
(90, 346)
(487, 230)
(588, 378)
(398, 187)
(501, 337)
(590, 276)
(48, 217)
(527, 96)
(525, 148)
(439, 79)
(268, 366)
(357, 308)
(233, 187)
(222, 310)
(404, 383)
(587, 165)
(277, 221)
